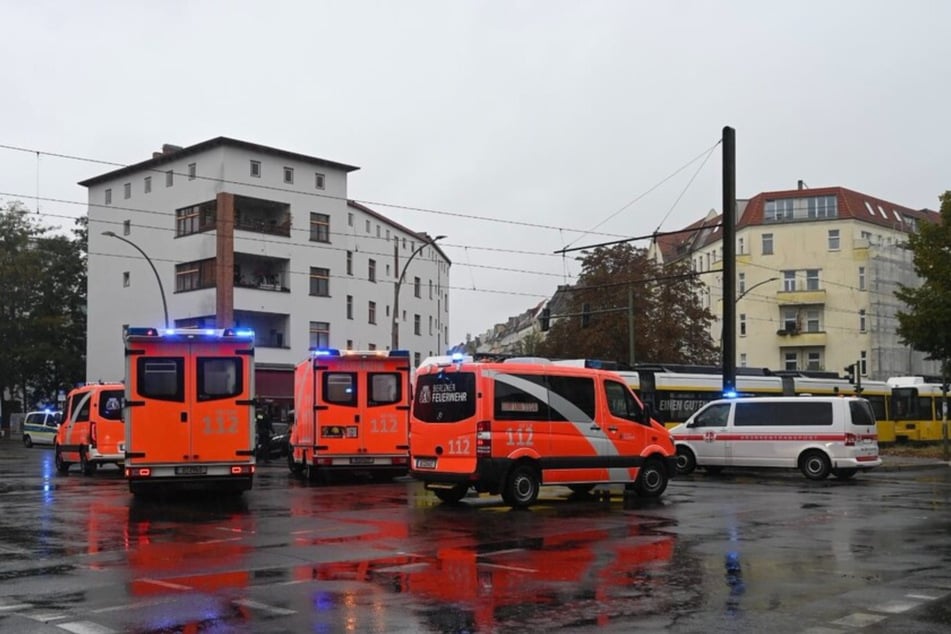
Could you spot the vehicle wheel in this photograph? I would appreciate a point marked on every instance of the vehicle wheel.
(296, 468)
(61, 465)
(714, 469)
(27, 441)
(686, 461)
(86, 467)
(844, 474)
(453, 495)
(522, 486)
(815, 465)
(581, 489)
(652, 479)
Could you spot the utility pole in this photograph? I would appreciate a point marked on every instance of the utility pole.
(729, 260)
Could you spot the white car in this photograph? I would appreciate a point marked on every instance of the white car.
(39, 428)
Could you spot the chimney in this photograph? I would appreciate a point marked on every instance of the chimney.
(802, 185)
(168, 148)
(156, 155)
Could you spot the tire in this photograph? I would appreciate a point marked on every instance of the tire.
(453, 495)
(686, 461)
(815, 465)
(295, 468)
(714, 469)
(844, 474)
(27, 441)
(522, 485)
(581, 489)
(651, 479)
(61, 465)
(86, 467)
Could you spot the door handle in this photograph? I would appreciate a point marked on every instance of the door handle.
(612, 428)
(595, 427)
(184, 417)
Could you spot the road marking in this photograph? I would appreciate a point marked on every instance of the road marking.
(14, 606)
(129, 606)
(46, 617)
(860, 619)
(896, 607)
(257, 605)
(926, 597)
(86, 627)
(166, 584)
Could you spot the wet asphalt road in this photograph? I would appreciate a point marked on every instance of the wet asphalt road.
(743, 552)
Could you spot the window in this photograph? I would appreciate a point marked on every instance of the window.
(790, 319)
(256, 169)
(778, 210)
(862, 278)
(758, 412)
(742, 359)
(161, 378)
(812, 279)
(349, 262)
(790, 361)
(148, 184)
(126, 227)
(192, 171)
(350, 219)
(368, 226)
(319, 334)
(349, 344)
(339, 388)
(196, 218)
(219, 378)
(416, 287)
(430, 325)
(385, 388)
(862, 323)
(430, 289)
(821, 207)
(812, 320)
(108, 196)
(621, 403)
(789, 280)
(741, 283)
(125, 279)
(318, 180)
(169, 178)
(742, 324)
(371, 270)
(378, 231)
(387, 270)
(127, 191)
(833, 239)
(319, 282)
(319, 227)
(194, 275)
(289, 175)
(713, 416)
(371, 312)
(863, 361)
(371, 346)
(417, 327)
(741, 252)
(349, 306)
(416, 360)
(448, 397)
(767, 244)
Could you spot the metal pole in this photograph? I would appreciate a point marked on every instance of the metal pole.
(630, 325)
(395, 329)
(154, 270)
(946, 450)
(729, 260)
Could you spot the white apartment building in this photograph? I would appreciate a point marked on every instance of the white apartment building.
(817, 270)
(244, 235)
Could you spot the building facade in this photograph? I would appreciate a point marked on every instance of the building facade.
(244, 235)
(816, 270)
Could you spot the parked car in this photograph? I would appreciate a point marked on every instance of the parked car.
(279, 445)
(39, 428)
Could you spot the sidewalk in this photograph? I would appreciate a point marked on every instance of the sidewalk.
(909, 463)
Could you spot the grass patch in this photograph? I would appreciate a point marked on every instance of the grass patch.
(914, 450)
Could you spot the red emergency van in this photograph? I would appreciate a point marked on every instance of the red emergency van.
(189, 409)
(351, 413)
(92, 433)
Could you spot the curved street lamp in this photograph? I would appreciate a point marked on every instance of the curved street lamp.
(147, 259)
(395, 327)
(743, 294)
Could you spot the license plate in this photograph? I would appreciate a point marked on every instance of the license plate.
(425, 463)
(191, 470)
(361, 460)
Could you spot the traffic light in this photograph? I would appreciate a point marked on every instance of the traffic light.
(544, 320)
(850, 372)
(585, 315)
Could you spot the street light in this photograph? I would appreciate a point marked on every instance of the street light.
(743, 294)
(395, 327)
(147, 259)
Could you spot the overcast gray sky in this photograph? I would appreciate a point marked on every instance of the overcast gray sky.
(548, 113)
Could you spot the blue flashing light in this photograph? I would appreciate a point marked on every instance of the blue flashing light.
(458, 357)
(399, 353)
(247, 332)
(729, 394)
(325, 352)
(209, 331)
(169, 331)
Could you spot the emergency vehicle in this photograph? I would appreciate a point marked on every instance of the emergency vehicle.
(92, 432)
(510, 427)
(351, 413)
(189, 409)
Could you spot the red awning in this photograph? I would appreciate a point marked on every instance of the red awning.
(276, 384)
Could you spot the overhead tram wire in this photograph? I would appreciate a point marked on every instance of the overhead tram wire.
(636, 238)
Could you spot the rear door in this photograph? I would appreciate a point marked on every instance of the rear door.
(337, 406)
(708, 434)
(158, 428)
(217, 383)
(863, 425)
(443, 431)
(386, 406)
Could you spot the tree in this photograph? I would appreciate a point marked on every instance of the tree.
(670, 325)
(926, 325)
(42, 307)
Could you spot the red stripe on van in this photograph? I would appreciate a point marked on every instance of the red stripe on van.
(798, 437)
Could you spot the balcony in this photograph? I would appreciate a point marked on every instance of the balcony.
(270, 329)
(797, 338)
(262, 216)
(790, 298)
(268, 274)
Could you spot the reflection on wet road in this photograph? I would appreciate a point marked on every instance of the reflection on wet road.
(731, 553)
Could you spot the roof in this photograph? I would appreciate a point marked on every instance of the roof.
(174, 153)
(422, 236)
(850, 205)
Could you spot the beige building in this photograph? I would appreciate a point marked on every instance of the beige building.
(816, 270)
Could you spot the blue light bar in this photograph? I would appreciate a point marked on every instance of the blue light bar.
(729, 394)
(458, 357)
(325, 352)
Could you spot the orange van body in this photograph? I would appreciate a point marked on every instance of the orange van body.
(189, 409)
(92, 432)
(351, 413)
(510, 427)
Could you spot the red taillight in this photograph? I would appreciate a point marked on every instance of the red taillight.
(484, 438)
(242, 469)
(850, 440)
(400, 461)
(138, 472)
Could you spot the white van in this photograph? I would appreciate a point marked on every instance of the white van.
(818, 435)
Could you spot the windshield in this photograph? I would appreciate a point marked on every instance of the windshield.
(444, 397)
